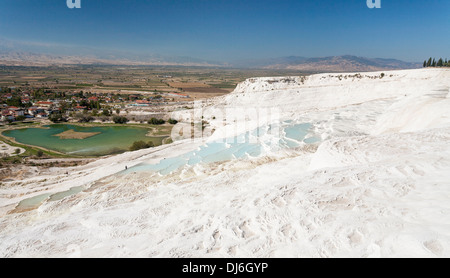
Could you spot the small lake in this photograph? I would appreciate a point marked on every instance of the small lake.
(107, 139)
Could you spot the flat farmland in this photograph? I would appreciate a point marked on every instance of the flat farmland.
(197, 82)
(187, 85)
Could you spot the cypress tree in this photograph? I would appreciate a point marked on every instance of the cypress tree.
(440, 63)
(425, 63)
(429, 62)
(434, 63)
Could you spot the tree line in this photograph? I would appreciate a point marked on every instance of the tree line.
(433, 63)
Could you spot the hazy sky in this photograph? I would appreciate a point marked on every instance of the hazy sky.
(227, 30)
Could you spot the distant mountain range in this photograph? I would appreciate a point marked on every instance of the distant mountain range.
(19, 58)
(14, 53)
(329, 64)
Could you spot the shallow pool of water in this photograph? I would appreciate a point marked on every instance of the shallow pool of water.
(37, 201)
(32, 203)
(62, 195)
(249, 145)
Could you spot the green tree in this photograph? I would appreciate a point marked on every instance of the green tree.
(138, 145)
(14, 101)
(440, 63)
(120, 120)
(429, 62)
(106, 113)
(63, 106)
(425, 63)
(85, 103)
(57, 117)
(172, 121)
(6, 90)
(85, 118)
(20, 118)
(94, 105)
(433, 64)
(154, 121)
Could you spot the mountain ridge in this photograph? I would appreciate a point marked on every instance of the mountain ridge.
(14, 53)
(331, 63)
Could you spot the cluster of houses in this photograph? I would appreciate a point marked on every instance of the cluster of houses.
(41, 109)
(178, 95)
(154, 100)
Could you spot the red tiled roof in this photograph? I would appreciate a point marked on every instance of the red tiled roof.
(179, 94)
(142, 101)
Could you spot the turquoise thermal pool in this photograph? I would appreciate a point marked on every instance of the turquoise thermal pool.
(252, 144)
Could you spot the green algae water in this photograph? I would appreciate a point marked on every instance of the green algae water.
(109, 140)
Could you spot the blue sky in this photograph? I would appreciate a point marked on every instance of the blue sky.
(228, 30)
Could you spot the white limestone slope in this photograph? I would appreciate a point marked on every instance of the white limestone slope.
(378, 185)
